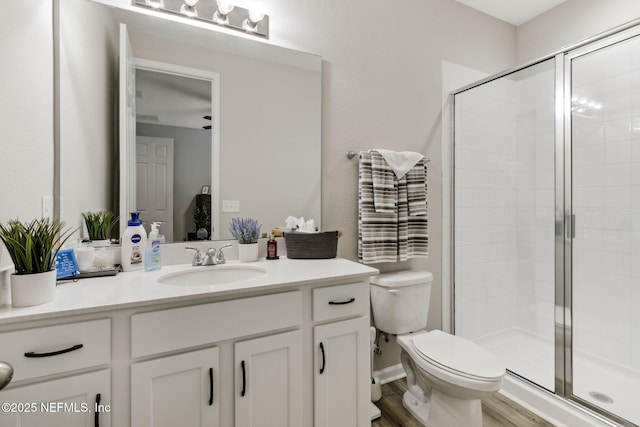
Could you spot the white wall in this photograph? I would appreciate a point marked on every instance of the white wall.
(88, 79)
(571, 22)
(26, 110)
(382, 86)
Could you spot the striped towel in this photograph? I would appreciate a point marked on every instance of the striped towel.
(392, 225)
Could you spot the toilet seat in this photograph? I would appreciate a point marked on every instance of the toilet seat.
(458, 356)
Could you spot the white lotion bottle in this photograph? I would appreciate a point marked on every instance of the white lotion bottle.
(134, 242)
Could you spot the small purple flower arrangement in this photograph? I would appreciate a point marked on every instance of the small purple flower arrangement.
(245, 230)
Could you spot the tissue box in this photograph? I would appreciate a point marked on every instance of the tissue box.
(311, 245)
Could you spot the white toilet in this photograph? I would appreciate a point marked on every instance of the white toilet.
(446, 375)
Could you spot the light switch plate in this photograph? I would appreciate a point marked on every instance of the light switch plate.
(231, 206)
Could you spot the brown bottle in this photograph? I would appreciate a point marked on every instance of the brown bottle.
(272, 248)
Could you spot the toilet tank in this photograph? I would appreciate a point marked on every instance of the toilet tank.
(400, 300)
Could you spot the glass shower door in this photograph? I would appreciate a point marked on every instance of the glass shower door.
(605, 198)
(504, 236)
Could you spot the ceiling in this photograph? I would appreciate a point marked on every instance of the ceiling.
(515, 12)
(172, 100)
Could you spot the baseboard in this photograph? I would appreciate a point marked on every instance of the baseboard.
(390, 373)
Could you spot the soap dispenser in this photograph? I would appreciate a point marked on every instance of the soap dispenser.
(152, 256)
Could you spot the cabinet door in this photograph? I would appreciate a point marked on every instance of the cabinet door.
(175, 391)
(269, 381)
(67, 402)
(342, 389)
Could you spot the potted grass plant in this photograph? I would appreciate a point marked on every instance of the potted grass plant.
(99, 226)
(32, 247)
(247, 232)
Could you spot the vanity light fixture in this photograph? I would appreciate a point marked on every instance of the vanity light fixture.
(223, 13)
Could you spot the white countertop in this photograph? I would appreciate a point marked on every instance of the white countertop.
(142, 287)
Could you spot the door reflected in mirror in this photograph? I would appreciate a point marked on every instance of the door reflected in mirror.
(173, 152)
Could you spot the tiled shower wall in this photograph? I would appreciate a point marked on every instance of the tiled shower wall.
(485, 209)
(606, 202)
(504, 184)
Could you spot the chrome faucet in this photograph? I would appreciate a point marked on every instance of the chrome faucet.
(211, 257)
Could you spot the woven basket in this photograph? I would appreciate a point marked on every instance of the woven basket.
(311, 245)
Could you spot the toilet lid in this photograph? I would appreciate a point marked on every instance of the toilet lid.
(458, 355)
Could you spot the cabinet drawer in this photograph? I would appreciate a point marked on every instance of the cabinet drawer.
(178, 328)
(340, 301)
(54, 349)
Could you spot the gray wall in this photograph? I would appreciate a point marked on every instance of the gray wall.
(571, 22)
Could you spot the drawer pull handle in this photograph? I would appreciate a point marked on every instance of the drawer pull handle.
(210, 386)
(244, 379)
(96, 418)
(324, 359)
(343, 302)
(54, 353)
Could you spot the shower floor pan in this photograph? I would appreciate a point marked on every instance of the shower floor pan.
(607, 385)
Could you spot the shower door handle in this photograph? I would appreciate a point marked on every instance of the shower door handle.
(570, 226)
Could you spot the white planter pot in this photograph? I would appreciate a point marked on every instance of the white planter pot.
(248, 252)
(33, 289)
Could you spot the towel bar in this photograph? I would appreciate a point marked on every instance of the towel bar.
(351, 154)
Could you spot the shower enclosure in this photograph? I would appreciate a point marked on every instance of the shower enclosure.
(546, 214)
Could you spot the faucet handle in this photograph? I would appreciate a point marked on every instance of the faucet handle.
(220, 257)
(197, 257)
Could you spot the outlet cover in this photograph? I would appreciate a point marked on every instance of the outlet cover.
(231, 206)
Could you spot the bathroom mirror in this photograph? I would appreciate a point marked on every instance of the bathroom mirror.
(269, 116)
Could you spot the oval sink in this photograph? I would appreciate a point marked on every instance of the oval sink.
(212, 275)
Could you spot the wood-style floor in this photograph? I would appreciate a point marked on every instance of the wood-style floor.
(497, 411)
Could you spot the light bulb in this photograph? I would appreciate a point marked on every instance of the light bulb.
(224, 7)
(191, 3)
(155, 4)
(221, 15)
(256, 12)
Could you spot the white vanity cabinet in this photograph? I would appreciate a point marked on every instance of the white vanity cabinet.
(269, 381)
(73, 401)
(341, 356)
(47, 389)
(179, 390)
(263, 383)
(234, 355)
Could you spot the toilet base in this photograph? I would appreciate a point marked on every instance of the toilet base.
(419, 410)
(444, 411)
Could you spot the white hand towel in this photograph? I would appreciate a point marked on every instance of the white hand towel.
(400, 161)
